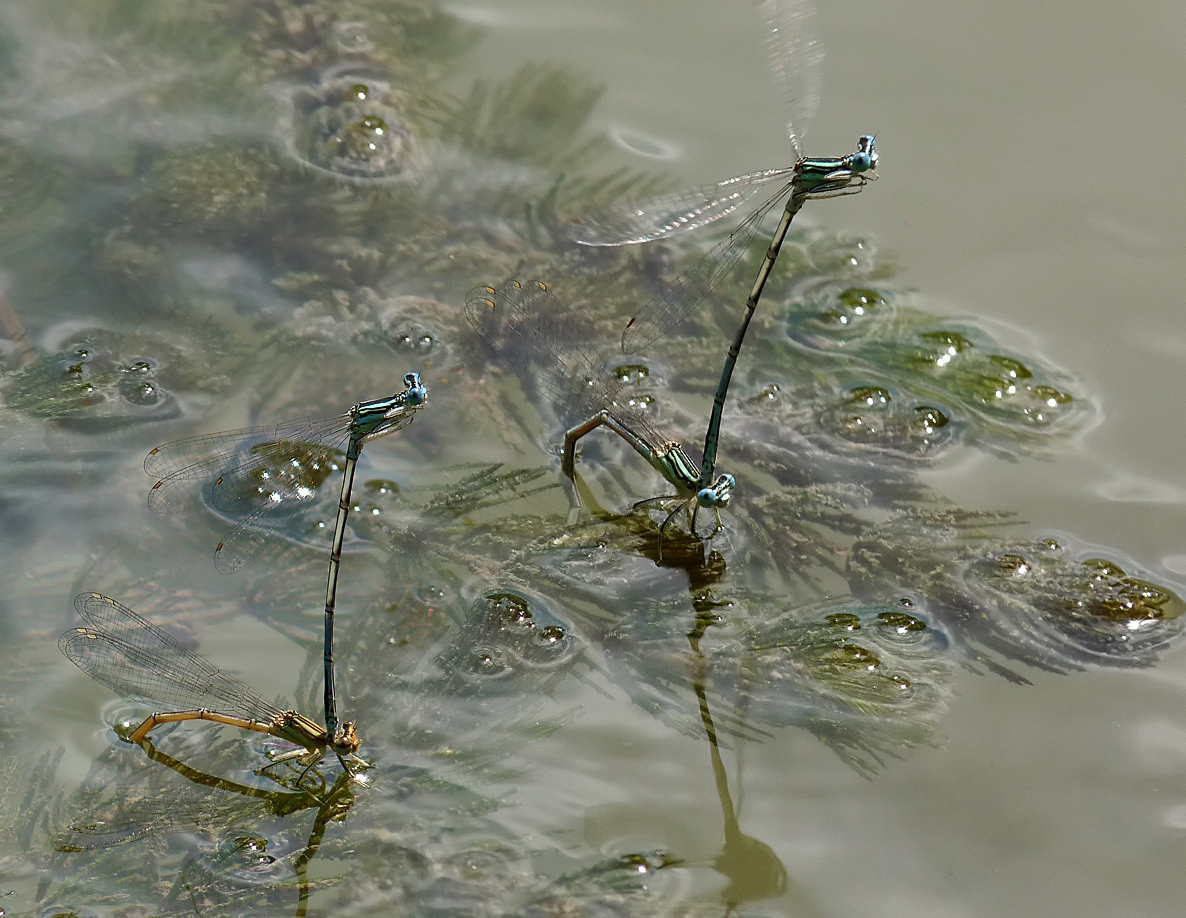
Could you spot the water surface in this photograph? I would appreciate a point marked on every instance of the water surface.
(167, 203)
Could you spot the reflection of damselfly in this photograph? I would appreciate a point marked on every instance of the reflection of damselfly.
(138, 660)
(752, 868)
(539, 339)
(150, 804)
(795, 56)
(264, 475)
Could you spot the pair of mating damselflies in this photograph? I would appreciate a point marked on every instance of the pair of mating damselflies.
(529, 330)
(262, 475)
(267, 473)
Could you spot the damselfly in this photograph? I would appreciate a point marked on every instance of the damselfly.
(136, 659)
(538, 338)
(262, 476)
(265, 475)
(795, 55)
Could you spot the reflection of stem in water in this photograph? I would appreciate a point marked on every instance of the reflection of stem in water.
(329, 810)
(751, 866)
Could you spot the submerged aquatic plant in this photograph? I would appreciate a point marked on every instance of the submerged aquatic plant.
(102, 381)
(1034, 601)
(286, 198)
(1001, 401)
(450, 743)
(869, 681)
(257, 841)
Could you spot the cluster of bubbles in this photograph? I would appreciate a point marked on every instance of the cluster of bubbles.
(351, 126)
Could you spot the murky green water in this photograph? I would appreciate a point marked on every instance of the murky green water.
(937, 638)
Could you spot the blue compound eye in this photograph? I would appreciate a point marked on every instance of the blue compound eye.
(707, 497)
(719, 494)
(416, 394)
(866, 156)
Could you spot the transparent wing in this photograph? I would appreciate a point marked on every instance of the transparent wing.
(252, 534)
(544, 343)
(188, 469)
(260, 476)
(138, 660)
(796, 55)
(393, 424)
(689, 290)
(668, 215)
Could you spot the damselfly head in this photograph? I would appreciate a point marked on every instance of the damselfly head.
(417, 393)
(865, 159)
(719, 494)
(346, 739)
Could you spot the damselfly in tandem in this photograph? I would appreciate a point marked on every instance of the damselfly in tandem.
(136, 659)
(795, 56)
(263, 476)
